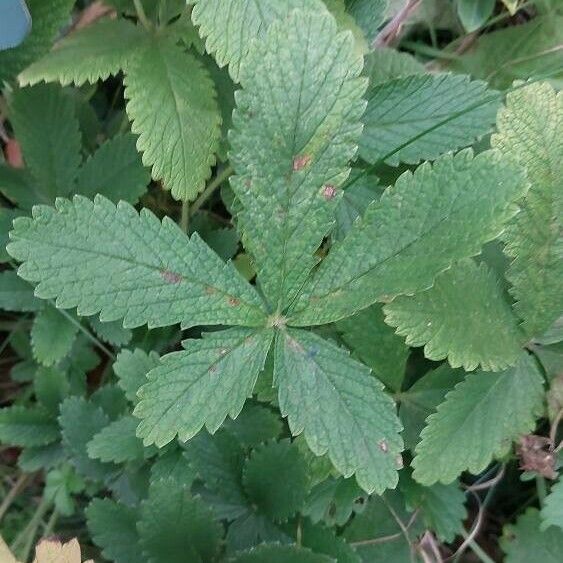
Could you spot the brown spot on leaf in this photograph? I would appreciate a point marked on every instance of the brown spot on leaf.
(210, 290)
(329, 192)
(383, 446)
(300, 161)
(171, 277)
(234, 302)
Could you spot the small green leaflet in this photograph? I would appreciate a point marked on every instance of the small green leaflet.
(17, 294)
(157, 275)
(530, 131)
(21, 426)
(275, 553)
(341, 408)
(525, 541)
(474, 13)
(296, 127)
(420, 117)
(430, 219)
(261, 477)
(117, 442)
(465, 317)
(113, 528)
(552, 510)
(52, 336)
(479, 420)
(87, 55)
(176, 527)
(46, 127)
(131, 368)
(229, 26)
(200, 386)
(114, 170)
(51, 387)
(172, 105)
(377, 345)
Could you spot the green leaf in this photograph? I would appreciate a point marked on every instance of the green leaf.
(442, 506)
(524, 541)
(229, 26)
(113, 529)
(117, 442)
(340, 406)
(295, 129)
(478, 421)
(252, 529)
(384, 64)
(430, 219)
(171, 102)
(6, 218)
(60, 486)
(87, 55)
(274, 553)
(176, 527)
(115, 170)
(422, 399)
(201, 385)
(80, 421)
(41, 457)
(376, 345)
(48, 18)
(524, 51)
(157, 275)
(345, 21)
(369, 15)
(46, 127)
(17, 294)
(278, 499)
(18, 185)
(420, 117)
(324, 540)
(474, 13)
(465, 317)
(552, 510)
(372, 529)
(51, 388)
(131, 368)
(112, 332)
(52, 336)
(530, 130)
(255, 425)
(174, 465)
(21, 426)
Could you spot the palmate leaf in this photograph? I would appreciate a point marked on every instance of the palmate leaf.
(200, 386)
(49, 16)
(530, 130)
(115, 170)
(422, 116)
(465, 317)
(430, 219)
(171, 102)
(341, 408)
(113, 528)
(46, 127)
(176, 527)
(478, 421)
(105, 258)
(229, 26)
(295, 129)
(87, 55)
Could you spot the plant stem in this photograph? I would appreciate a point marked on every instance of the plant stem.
(541, 488)
(27, 535)
(476, 549)
(141, 15)
(212, 186)
(185, 218)
(51, 523)
(19, 485)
